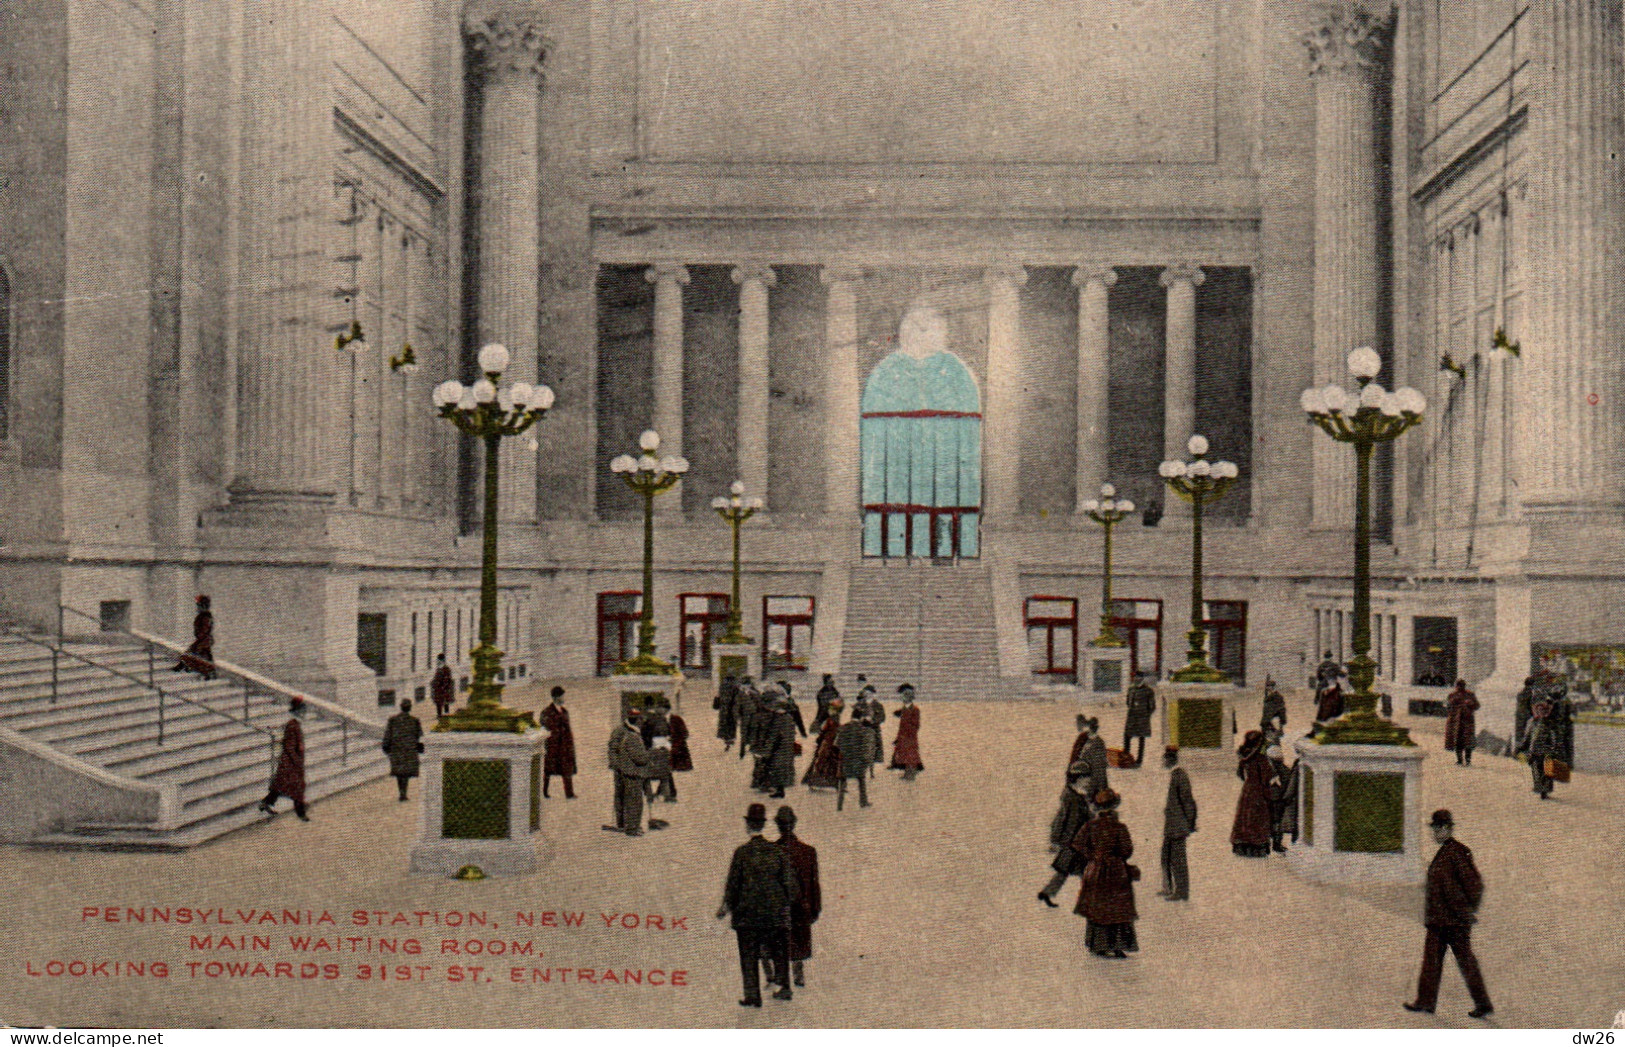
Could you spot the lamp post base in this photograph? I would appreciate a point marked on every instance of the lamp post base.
(1104, 675)
(1200, 718)
(1359, 814)
(734, 658)
(481, 803)
(648, 691)
(485, 711)
(1196, 669)
(646, 664)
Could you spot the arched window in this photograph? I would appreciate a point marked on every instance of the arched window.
(5, 354)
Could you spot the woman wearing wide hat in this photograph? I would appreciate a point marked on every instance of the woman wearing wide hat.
(1106, 901)
(905, 755)
(1250, 835)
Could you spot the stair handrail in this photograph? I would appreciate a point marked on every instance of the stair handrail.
(59, 651)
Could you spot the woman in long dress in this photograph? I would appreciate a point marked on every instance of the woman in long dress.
(1250, 836)
(825, 770)
(905, 754)
(1106, 901)
(1461, 725)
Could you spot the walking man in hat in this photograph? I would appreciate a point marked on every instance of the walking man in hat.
(629, 759)
(760, 892)
(1455, 890)
(808, 900)
(1178, 822)
(560, 754)
(289, 779)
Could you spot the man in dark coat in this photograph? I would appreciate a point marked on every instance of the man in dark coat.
(726, 703)
(199, 657)
(854, 742)
(1327, 672)
(809, 898)
(1073, 815)
(1523, 710)
(1141, 703)
(442, 688)
(1283, 799)
(560, 755)
(1273, 716)
(1093, 758)
(1329, 704)
(1178, 822)
(745, 703)
(629, 759)
(1544, 738)
(826, 694)
(760, 893)
(1461, 723)
(788, 701)
(779, 754)
(1455, 890)
(403, 740)
(289, 779)
(656, 733)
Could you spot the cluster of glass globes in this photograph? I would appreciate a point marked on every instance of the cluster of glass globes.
(1108, 502)
(1364, 363)
(736, 499)
(1220, 470)
(520, 396)
(649, 461)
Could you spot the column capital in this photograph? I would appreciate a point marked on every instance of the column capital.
(666, 271)
(753, 271)
(1349, 36)
(506, 41)
(1182, 272)
(1089, 272)
(1013, 275)
(839, 273)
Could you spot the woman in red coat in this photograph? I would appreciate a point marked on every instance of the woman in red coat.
(1460, 725)
(905, 753)
(1250, 836)
(825, 770)
(289, 778)
(1106, 901)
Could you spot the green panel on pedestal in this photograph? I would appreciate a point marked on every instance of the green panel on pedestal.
(1308, 818)
(535, 792)
(732, 666)
(1368, 815)
(1108, 677)
(474, 800)
(1199, 723)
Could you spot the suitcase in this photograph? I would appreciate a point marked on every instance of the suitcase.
(1556, 769)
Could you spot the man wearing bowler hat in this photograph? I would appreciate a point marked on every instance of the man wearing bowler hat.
(760, 891)
(1454, 892)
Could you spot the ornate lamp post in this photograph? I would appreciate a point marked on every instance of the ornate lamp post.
(649, 476)
(736, 509)
(490, 411)
(1371, 416)
(1200, 483)
(1106, 511)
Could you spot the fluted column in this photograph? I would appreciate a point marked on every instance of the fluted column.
(1572, 404)
(1347, 51)
(509, 50)
(751, 446)
(1001, 409)
(293, 385)
(1093, 284)
(667, 417)
(1179, 361)
(843, 395)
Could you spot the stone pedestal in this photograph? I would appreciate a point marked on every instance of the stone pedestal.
(1200, 718)
(481, 802)
(644, 692)
(1103, 674)
(1359, 814)
(735, 660)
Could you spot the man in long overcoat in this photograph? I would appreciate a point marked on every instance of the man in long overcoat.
(442, 688)
(855, 744)
(560, 755)
(629, 759)
(726, 703)
(1178, 822)
(745, 706)
(1454, 892)
(760, 893)
(906, 745)
(1093, 758)
(1273, 715)
(403, 740)
(289, 778)
(1141, 702)
(1461, 723)
(809, 897)
(779, 752)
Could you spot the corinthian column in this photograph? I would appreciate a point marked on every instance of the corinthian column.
(293, 412)
(1001, 410)
(509, 49)
(1093, 284)
(1346, 53)
(1179, 376)
(667, 417)
(751, 446)
(842, 396)
(1572, 407)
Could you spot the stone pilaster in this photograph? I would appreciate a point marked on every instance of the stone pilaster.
(842, 392)
(751, 446)
(291, 409)
(1347, 52)
(1179, 377)
(1001, 406)
(509, 48)
(1572, 404)
(667, 417)
(1094, 285)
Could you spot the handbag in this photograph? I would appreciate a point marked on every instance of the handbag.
(1556, 769)
(1133, 873)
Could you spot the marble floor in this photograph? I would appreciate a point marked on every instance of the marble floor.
(929, 916)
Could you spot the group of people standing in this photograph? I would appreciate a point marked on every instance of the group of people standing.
(773, 894)
(1267, 809)
(646, 750)
(1543, 722)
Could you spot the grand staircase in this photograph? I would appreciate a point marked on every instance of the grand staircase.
(923, 623)
(127, 755)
